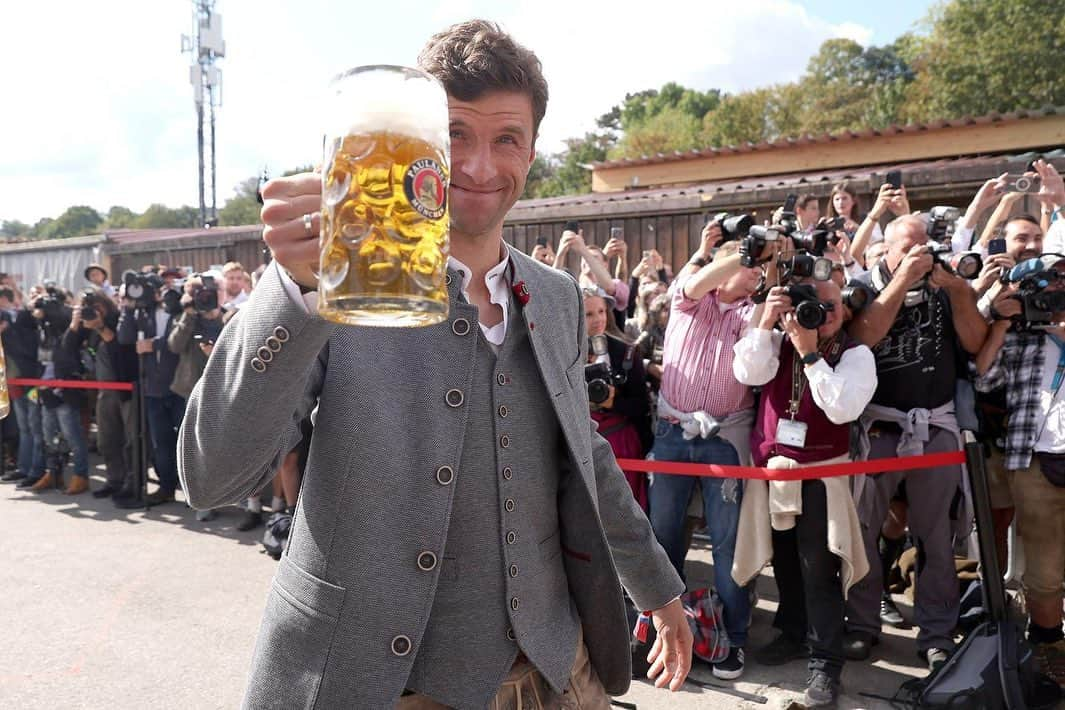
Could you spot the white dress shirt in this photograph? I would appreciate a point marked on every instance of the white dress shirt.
(495, 280)
(841, 393)
(1050, 427)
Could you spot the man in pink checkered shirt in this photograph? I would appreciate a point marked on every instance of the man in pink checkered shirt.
(705, 416)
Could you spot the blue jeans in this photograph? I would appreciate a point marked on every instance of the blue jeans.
(67, 419)
(164, 415)
(669, 496)
(30, 437)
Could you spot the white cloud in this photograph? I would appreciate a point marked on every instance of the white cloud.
(105, 113)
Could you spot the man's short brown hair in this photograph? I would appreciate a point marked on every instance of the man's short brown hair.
(232, 266)
(476, 57)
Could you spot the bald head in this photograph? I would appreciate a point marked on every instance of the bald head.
(902, 234)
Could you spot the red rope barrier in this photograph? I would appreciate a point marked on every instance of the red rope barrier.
(71, 384)
(794, 474)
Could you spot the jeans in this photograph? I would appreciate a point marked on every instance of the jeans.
(668, 498)
(164, 415)
(30, 437)
(67, 419)
(112, 421)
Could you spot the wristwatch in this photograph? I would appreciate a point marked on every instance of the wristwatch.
(811, 358)
(699, 261)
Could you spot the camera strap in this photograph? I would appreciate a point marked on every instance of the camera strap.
(830, 351)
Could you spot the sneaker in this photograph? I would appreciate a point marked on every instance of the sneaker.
(106, 492)
(935, 657)
(27, 482)
(732, 667)
(781, 650)
(1050, 659)
(890, 614)
(858, 645)
(822, 691)
(249, 520)
(202, 516)
(12, 476)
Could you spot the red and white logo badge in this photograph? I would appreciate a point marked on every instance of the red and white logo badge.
(425, 188)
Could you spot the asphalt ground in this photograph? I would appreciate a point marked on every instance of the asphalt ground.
(107, 608)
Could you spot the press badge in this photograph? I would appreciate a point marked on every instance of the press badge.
(791, 432)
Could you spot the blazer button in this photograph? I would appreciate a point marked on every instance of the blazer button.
(273, 343)
(502, 379)
(401, 645)
(510, 635)
(508, 473)
(426, 561)
(513, 570)
(454, 398)
(281, 334)
(447, 279)
(509, 505)
(503, 411)
(460, 326)
(514, 603)
(265, 354)
(258, 365)
(512, 537)
(504, 441)
(445, 475)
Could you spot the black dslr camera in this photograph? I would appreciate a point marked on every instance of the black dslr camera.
(1034, 277)
(205, 297)
(941, 222)
(599, 376)
(758, 238)
(52, 300)
(810, 312)
(142, 288)
(89, 299)
(732, 226)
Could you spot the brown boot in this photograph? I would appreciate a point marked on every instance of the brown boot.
(78, 485)
(46, 482)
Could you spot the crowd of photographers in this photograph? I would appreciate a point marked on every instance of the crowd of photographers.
(820, 339)
(155, 330)
(811, 339)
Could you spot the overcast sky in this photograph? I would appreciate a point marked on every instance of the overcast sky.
(98, 109)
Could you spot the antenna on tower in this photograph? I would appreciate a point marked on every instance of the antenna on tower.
(206, 45)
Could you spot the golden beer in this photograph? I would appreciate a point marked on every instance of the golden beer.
(384, 238)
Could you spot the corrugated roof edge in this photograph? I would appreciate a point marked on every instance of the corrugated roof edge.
(787, 142)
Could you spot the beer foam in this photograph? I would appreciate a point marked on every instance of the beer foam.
(402, 102)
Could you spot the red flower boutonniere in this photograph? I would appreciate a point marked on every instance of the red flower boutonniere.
(521, 292)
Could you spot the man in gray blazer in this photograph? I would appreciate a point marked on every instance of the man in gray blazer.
(462, 528)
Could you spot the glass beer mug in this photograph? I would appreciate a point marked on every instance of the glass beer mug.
(385, 174)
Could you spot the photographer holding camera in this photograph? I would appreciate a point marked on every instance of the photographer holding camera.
(1025, 352)
(21, 338)
(920, 326)
(617, 388)
(60, 352)
(146, 324)
(815, 381)
(192, 338)
(705, 416)
(115, 410)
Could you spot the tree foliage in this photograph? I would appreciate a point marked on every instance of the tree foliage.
(243, 207)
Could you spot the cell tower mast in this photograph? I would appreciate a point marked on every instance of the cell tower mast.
(206, 45)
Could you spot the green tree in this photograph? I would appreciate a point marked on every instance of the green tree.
(119, 217)
(159, 216)
(570, 173)
(541, 170)
(984, 56)
(668, 130)
(75, 222)
(14, 228)
(243, 207)
(741, 118)
(43, 229)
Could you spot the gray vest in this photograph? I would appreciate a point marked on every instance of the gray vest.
(495, 545)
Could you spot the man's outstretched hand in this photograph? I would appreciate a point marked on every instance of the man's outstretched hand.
(671, 654)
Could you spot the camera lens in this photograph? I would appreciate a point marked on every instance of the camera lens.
(810, 314)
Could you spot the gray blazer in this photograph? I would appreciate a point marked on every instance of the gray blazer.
(347, 581)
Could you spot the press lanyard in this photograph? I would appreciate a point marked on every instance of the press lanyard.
(831, 349)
